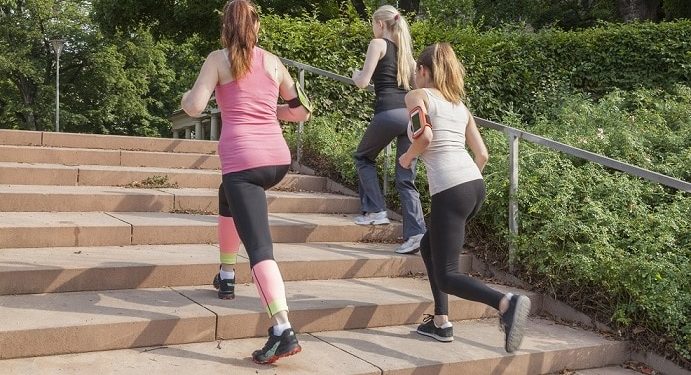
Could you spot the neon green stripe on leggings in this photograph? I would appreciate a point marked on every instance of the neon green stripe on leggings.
(229, 258)
(275, 306)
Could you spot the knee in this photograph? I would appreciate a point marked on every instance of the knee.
(260, 254)
(444, 282)
(405, 185)
(223, 206)
(362, 161)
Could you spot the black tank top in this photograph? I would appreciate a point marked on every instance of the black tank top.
(388, 94)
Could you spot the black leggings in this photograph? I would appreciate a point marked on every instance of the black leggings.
(242, 196)
(442, 243)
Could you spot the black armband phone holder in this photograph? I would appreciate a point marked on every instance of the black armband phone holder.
(300, 100)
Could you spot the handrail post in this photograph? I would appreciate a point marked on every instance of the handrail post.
(513, 203)
(387, 156)
(301, 125)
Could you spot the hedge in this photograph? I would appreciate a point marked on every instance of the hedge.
(612, 245)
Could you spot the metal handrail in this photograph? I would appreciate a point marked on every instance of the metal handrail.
(302, 68)
(514, 135)
(590, 156)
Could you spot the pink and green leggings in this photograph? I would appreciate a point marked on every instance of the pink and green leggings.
(244, 218)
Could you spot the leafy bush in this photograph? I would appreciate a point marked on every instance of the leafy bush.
(612, 245)
(509, 72)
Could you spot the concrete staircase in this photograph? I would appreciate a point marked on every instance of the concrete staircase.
(108, 244)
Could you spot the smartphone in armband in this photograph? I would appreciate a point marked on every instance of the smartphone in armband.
(301, 99)
(418, 121)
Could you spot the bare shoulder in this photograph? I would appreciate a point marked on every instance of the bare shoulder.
(378, 43)
(416, 94)
(417, 97)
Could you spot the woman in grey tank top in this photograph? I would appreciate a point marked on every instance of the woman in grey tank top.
(457, 190)
(389, 64)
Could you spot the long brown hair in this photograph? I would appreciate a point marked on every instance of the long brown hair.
(239, 35)
(447, 72)
(398, 27)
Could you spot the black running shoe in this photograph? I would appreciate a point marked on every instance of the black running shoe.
(427, 328)
(277, 347)
(226, 288)
(513, 322)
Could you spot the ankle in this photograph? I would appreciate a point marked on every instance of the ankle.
(441, 321)
(504, 303)
(227, 273)
(279, 328)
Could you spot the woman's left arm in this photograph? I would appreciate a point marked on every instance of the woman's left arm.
(194, 101)
(375, 51)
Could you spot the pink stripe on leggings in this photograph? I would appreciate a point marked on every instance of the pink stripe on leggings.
(269, 282)
(228, 239)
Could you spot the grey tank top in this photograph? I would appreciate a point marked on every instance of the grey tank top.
(448, 162)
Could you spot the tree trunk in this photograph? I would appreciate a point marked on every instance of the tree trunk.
(630, 10)
(410, 6)
(361, 9)
(28, 92)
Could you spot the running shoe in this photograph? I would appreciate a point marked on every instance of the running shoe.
(277, 347)
(411, 246)
(372, 218)
(428, 328)
(513, 322)
(226, 288)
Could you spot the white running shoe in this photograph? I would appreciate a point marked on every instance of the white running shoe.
(411, 246)
(372, 218)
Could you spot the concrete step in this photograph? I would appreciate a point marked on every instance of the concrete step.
(56, 229)
(46, 324)
(610, 370)
(83, 156)
(68, 269)
(106, 142)
(12, 173)
(477, 349)
(45, 198)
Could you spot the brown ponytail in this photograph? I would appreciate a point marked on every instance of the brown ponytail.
(447, 72)
(239, 35)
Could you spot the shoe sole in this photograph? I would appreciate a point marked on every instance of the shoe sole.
(275, 358)
(375, 222)
(436, 337)
(226, 296)
(520, 316)
(412, 251)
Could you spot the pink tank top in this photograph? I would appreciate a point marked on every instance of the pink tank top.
(251, 136)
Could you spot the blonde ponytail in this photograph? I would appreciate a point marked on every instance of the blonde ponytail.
(398, 27)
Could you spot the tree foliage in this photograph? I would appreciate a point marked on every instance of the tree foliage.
(108, 84)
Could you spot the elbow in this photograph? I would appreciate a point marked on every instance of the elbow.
(482, 157)
(306, 116)
(361, 84)
(192, 110)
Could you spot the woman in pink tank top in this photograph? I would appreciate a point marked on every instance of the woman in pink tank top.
(254, 157)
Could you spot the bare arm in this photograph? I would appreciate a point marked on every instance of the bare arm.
(194, 101)
(286, 88)
(414, 99)
(375, 51)
(474, 140)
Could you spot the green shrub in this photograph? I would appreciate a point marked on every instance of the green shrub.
(509, 72)
(612, 245)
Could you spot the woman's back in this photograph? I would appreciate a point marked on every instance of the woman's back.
(389, 95)
(251, 135)
(446, 158)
